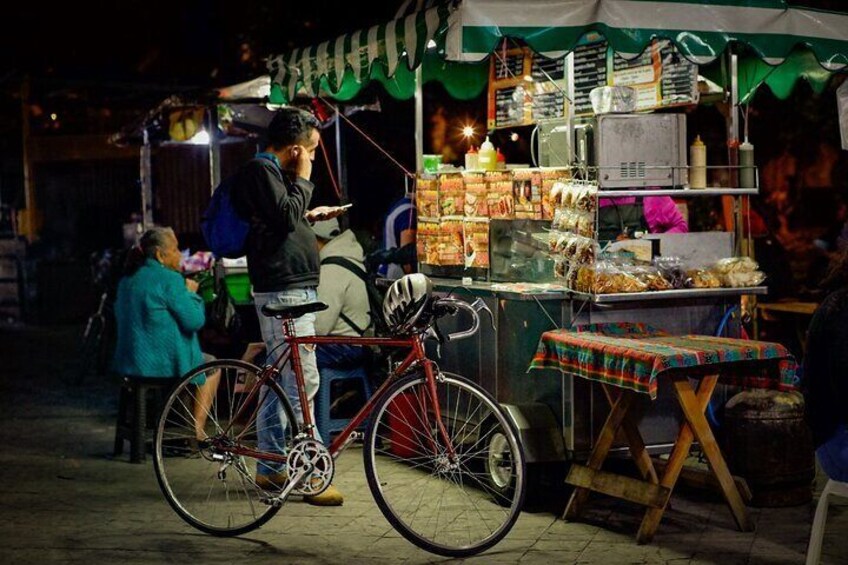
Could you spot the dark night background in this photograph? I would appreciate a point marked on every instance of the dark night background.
(99, 66)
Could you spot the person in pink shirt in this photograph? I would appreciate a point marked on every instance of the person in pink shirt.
(620, 218)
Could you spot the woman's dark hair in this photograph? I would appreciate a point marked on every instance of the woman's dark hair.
(149, 242)
(290, 126)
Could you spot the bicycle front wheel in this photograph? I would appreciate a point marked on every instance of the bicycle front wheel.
(211, 483)
(439, 496)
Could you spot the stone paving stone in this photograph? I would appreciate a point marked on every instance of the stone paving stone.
(724, 558)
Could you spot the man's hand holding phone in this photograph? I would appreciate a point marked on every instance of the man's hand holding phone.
(326, 212)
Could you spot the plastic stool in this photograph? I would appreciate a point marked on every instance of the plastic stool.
(134, 418)
(832, 488)
(327, 425)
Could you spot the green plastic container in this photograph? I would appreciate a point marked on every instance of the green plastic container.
(238, 285)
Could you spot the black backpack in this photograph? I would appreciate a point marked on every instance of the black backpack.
(375, 297)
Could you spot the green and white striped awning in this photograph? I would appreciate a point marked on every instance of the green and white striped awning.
(805, 43)
(352, 58)
(700, 29)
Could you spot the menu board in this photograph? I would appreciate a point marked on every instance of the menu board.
(679, 77)
(660, 75)
(590, 71)
(515, 99)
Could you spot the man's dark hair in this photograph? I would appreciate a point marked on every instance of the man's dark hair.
(290, 126)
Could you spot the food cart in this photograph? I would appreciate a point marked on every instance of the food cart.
(525, 238)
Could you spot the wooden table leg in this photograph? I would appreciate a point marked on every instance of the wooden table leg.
(678, 455)
(634, 440)
(600, 451)
(701, 428)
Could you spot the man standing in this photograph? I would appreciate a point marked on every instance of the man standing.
(273, 193)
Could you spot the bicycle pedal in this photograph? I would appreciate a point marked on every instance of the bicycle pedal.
(273, 501)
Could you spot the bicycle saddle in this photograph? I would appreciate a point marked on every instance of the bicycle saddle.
(285, 312)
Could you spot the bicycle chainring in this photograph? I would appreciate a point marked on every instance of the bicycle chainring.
(304, 454)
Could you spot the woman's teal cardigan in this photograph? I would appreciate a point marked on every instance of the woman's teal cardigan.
(158, 319)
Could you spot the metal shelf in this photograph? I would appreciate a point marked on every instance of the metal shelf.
(669, 294)
(679, 192)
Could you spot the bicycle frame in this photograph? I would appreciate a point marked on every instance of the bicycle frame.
(416, 356)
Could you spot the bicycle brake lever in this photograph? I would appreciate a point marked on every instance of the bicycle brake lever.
(434, 332)
(478, 305)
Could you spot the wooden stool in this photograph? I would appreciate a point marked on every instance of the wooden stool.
(134, 418)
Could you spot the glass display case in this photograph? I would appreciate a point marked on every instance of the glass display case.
(518, 251)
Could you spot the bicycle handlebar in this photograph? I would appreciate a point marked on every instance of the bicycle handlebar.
(453, 305)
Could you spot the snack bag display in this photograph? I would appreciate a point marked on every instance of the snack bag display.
(527, 194)
(427, 240)
(450, 241)
(476, 242)
(500, 198)
(738, 272)
(702, 278)
(451, 195)
(476, 195)
(427, 197)
(550, 178)
(673, 271)
(607, 278)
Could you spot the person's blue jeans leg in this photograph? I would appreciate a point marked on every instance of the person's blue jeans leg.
(271, 420)
(833, 455)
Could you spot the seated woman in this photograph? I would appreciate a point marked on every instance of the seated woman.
(158, 314)
(620, 218)
(825, 376)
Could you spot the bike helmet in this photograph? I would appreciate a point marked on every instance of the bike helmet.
(405, 303)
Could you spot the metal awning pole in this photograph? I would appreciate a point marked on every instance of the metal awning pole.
(214, 149)
(341, 168)
(145, 168)
(419, 119)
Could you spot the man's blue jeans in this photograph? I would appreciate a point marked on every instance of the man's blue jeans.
(272, 422)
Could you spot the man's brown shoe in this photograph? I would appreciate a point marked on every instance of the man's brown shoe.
(330, 497)
(275, 481)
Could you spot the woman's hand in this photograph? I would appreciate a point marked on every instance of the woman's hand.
(192, 285)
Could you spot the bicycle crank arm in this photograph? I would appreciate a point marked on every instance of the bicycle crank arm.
(280, 499)
(354, 436)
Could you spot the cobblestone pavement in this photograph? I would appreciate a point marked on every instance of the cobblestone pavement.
(65, 500)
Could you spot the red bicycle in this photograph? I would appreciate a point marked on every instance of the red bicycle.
(442, 460)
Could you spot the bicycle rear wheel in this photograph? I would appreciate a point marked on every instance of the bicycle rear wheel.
(208, 483)
(443, 503)
(89, 349)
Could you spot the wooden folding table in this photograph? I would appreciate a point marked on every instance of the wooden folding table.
(626, 360)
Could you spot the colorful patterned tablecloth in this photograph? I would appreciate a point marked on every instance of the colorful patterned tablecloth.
(632, 356)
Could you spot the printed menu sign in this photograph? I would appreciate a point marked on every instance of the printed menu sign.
(590, 71)
(660, 75)
(515, 99)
